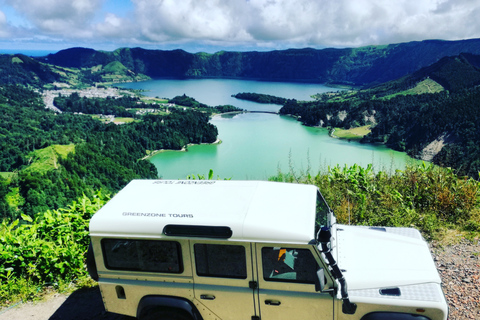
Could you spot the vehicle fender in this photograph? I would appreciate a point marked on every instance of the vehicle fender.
(91, 265)
(393, 316)
(150, 303)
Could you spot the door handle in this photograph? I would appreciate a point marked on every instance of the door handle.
(207, 297)
(272, 302)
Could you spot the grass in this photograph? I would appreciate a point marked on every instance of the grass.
(6, 175)
(124, 120)
(47, 159)
(353, 133)
(425, 86)
(151, 100)
(16, 60)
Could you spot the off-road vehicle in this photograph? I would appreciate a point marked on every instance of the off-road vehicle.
(202, 249)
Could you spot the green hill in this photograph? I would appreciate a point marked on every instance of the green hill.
(450, 73)
(454, 73)
(356, 66)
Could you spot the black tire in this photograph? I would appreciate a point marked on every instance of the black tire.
(166, 314)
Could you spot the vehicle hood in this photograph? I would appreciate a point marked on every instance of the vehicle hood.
(382, 257)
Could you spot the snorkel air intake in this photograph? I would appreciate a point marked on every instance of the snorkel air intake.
(324, 239)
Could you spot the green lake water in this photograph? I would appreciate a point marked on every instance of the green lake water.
(257, 145)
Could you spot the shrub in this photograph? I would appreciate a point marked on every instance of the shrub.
(426, 197)
(48, 249)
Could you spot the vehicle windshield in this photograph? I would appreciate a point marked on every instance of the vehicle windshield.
(322, 214)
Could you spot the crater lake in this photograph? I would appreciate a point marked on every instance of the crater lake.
(255, 146)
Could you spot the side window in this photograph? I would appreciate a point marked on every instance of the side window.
(142, 255)
(288, 264)
(223, 261)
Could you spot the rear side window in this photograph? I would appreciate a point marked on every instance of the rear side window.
(223, 261)
(142, 255)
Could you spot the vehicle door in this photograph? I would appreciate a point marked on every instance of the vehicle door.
(286, 284)
(223, 278)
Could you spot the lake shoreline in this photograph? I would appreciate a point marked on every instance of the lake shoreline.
(184, 149)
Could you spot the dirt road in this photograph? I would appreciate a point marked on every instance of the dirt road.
(83, 304)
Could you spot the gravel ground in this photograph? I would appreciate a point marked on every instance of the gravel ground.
(458, 265)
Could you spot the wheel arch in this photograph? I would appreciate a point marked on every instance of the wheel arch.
(393, 316)
(153, 303)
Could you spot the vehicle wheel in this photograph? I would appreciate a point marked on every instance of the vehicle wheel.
(166, 315)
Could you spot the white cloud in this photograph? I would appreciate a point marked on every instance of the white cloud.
(115, 27)
(162, 20)
(252, 23)
(58, 16)
(307, 22)
(3, 25)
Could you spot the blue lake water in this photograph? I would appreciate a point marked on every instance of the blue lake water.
(257, 145)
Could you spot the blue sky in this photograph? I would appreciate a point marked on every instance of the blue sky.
(213, 25)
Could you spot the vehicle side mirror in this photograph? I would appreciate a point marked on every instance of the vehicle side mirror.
(320, 280)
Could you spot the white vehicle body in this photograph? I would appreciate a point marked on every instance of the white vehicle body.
(253, 250)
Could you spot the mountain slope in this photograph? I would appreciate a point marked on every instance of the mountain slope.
(357, 66)
(20, 69)
(452, 73)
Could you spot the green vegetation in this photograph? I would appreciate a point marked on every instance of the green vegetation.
(36, 148)
(364, 66)
(46, 251)
(426, 197)
(105, 106)
(186, 101)
(47, 159)
(124, 120)
(49, 249)
(23, 70)
(6, 175)
(426, 86)
(259, 98)
(353, 133)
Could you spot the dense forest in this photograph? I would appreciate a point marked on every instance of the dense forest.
(107, 106)
(105, 156)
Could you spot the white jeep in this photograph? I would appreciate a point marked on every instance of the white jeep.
(202, 249)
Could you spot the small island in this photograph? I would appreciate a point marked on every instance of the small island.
(260, 98)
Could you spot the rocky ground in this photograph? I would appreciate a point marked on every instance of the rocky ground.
(458, 265)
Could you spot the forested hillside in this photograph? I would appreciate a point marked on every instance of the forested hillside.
(20, 69)
(356, 66)
(104, 156)
(405, 118)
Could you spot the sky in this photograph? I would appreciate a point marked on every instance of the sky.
(235, 25)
